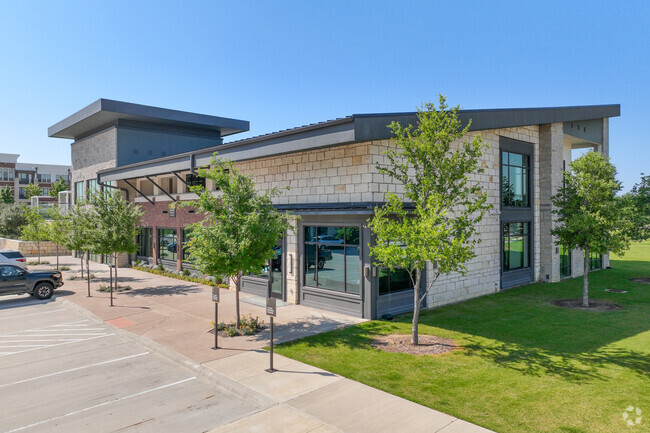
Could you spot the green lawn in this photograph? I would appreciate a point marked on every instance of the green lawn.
(526, 366)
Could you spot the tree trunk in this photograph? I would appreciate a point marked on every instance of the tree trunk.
(585, 281)
(57, 257)
(110, 276)
(82, 264)
(416, 307)
(88, 270)
(237, 287)
(38, 248)
(115, 267)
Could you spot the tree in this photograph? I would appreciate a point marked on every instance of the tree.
(12, 218)
(82, 232)
(32, 190)
(117, 222)
(239, 229)
(639, 199)
(7, 195)
(35, 229)
(589, 215)
(438, 224)
(58, 230)
(57, 187)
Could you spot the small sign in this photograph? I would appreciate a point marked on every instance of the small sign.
(215, 294)
(172, 212)
(270, 307)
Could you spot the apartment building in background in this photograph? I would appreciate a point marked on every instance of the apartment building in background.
(17, 175)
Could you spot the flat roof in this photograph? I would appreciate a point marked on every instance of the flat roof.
(106, 112)
(350, 129)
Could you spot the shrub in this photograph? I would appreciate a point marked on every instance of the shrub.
(35, 262)
(65, 268)
(249, 325)
(12, 218)
(104, 288)
(208, 281)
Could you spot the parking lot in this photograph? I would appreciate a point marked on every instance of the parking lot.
(63, 372)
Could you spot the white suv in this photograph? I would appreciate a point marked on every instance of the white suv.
(13, 257)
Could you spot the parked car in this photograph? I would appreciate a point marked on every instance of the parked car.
(326, 239)
(13, 257)
(324, 254)
(40, 284)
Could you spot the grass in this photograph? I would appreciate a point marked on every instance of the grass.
(526, 366)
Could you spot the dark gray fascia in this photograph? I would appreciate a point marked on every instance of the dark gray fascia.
(375, 126)
(104, 112)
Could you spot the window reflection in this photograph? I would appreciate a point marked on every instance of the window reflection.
(331, 259)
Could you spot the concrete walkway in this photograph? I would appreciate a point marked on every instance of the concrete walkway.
(173, 317)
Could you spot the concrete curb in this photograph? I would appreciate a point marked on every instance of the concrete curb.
(200, 370)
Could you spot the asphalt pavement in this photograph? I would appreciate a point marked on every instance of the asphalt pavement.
(65, 372)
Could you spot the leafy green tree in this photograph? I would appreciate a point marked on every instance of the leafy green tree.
(58, 229)
(438, 222)
(639, 199)
(117, 225)
(32, 190)
(589, 215)
(35, 229)
(12, 218)
(239, 229)
(7, 195)
(57, 187)
(82, 232)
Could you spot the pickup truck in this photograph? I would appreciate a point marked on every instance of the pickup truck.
(40, 284)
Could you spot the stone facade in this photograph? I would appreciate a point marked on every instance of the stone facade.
(30, 248)
(93, 153)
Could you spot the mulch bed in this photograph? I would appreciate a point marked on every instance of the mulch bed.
(576, 304)
(401, 343)
(644, 280)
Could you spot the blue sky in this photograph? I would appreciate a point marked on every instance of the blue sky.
(283, 64)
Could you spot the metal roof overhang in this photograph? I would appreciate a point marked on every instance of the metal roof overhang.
(330, 134)
(356, 128)
(106, 112)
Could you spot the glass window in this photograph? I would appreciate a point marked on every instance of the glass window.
(21, 193)
(45, 178)
(79, 191)
(145, 241)
(595, 261)
(516, 246)
(45, 191)
(187, 235)
(332, 258)
(167, 244)
(6, 174)
(565, 261)
(397, 280)
(10, 271)
(194, 180)
(92, 186)
(514, 184)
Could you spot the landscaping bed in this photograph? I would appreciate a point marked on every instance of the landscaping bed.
(522, 364)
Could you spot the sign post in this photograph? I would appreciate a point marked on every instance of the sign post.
(215, 299)
(270, 311)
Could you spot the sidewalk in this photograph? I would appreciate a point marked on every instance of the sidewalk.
(177, 315)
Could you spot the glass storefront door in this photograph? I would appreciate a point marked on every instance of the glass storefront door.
(276, 272)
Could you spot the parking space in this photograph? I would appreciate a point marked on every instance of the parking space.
(61, 372)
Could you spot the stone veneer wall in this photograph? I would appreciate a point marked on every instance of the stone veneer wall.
(93, 153)
(30, 248)
(348, 173)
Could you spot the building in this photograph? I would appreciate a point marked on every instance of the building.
(330, 167)
(17, 175)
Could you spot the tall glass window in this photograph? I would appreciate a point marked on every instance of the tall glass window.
(397, 280)
(92, 186)
(145, 242)
(514, 184)
(167, 244)
(193, 180)
(332, 258)
(565, 261)
(187, 235)
(79, 191)
(595, 261)
(6, 174)
(516, 246)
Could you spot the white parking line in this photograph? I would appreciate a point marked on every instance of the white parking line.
(54, 345)
(31, 314)
(73, 369)
(100, 405)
